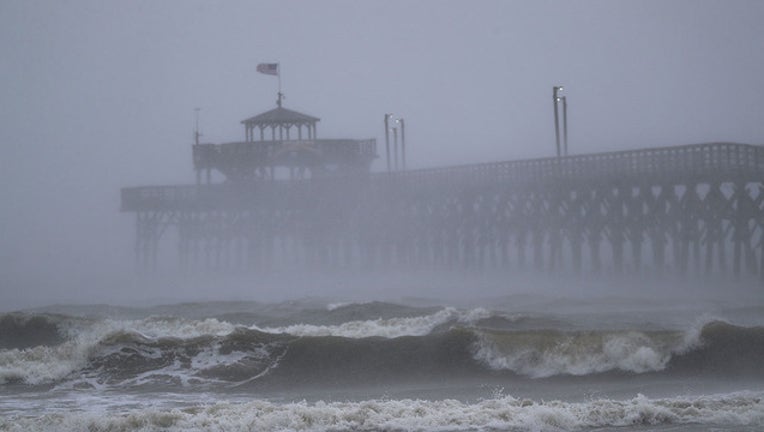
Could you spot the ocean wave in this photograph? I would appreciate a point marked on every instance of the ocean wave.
(44, 364)
(742, 411)
(546, 353)
(182, 352)
(23, 330)
(707, 347)
(57, 346)
(282, 315)
(251, 357)
(388, 328)
(129, 359)
(725, 349)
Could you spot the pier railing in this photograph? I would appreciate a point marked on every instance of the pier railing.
(665, 163)
(725, 161)
(264, 152)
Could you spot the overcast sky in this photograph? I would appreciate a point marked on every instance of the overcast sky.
(97, 95)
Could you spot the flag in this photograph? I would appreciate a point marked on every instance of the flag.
(268, 68)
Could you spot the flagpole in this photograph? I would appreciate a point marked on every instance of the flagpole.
(272, 69)
(278, 73)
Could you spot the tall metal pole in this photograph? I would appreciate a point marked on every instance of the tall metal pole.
(387, 139)
(196, 126)
(395, 148)
(280, 95)
(403, 144)
(555, 101)
(565, 125)
(196, 142)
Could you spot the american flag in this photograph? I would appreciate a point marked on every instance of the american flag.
(268, 68)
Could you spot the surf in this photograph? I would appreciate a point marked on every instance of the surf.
(430, 344)
(741, 411)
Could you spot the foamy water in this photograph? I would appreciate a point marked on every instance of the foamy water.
(388, 328)
(742, 411)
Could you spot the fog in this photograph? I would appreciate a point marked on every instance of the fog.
(97, 96)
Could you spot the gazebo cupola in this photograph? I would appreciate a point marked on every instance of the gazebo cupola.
(280, 124)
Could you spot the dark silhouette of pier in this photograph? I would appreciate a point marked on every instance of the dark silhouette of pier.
(683, 210)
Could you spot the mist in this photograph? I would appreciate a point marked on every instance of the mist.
(100, 96)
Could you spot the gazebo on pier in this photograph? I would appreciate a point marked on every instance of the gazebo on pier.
(282, 144)
(278, 124)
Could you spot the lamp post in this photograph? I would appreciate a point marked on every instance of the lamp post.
(387, 139)
(403, 144)
(564, 125)
(398, 160)
(395, 147)
(556, 100)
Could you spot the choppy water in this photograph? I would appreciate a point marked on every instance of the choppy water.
(307, 365)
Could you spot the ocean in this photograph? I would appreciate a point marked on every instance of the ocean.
(513, 363)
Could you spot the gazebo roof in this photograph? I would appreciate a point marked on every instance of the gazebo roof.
(280, 116)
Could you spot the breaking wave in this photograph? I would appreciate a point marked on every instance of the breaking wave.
(163, 347)
(84, 353)
(541, 354)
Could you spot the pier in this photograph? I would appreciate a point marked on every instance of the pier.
(291, 200)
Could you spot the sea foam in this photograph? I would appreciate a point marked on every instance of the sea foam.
(743, 411)
(388, 328)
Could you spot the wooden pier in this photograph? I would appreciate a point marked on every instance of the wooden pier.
(693, 209)
(290, 200)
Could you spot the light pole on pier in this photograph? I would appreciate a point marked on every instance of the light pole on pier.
(556, 102)
(387, 139)
(564, 125)
(395, 147)
(398, 160)
(403, 144)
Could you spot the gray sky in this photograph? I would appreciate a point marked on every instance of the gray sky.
(98, 95)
